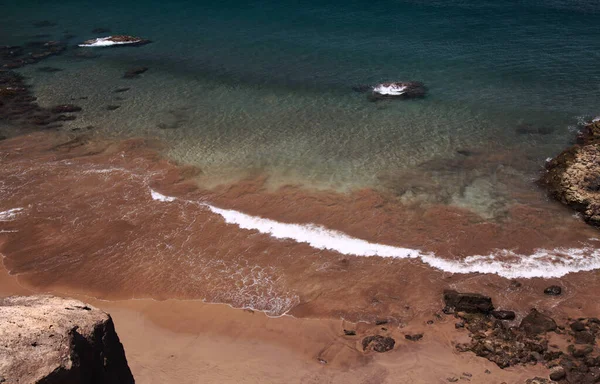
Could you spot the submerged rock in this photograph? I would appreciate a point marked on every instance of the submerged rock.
(466, 302)
(134, 72)
(503, 315)
(573, 177)
(51, 340)
(398, 90)
(378, 343)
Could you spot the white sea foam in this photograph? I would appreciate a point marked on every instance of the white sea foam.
(506, 263)
(106, 42)
(596, 119)
(392, 89)
(10, 214)
(160, 197)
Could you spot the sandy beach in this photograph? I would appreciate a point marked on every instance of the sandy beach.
(185, 341)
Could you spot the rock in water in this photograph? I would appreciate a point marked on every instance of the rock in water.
(115, 41)
(378, 343)
(398, 90)
(573, 177)
(51, 340)
(536, 323)
(466, 302)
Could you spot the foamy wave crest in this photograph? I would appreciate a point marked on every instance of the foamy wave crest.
(160, 197)
(10, 214)
(506, 263)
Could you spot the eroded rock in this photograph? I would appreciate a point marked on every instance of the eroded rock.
(51, 340)
(573, 177)
(536, 322)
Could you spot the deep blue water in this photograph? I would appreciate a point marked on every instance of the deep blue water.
(267, 84)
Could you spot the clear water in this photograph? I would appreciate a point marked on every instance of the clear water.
(238, 87)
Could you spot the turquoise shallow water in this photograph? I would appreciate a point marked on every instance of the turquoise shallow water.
(236, 87)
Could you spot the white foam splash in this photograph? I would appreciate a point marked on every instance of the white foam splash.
(392, 89)
(160, 197)
(596, 119)
(107, 42)
(10, 214)
(543, 263)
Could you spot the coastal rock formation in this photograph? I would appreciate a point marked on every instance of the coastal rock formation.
(573, 177)
(51, 340)
(12, 57)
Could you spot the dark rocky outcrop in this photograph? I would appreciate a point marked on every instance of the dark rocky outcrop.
(19, 107)
(466, 302)
(51, 340)
(378, 343)
(553, 290)
(65, 108)
(573, 177)
(12, 57)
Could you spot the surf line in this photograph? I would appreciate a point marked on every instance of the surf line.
(544, 263)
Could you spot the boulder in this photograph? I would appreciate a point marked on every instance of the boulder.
(553, 290)
(573, 177)
(503, 315)
(51, 340)
(466, 302)
(536, 322)
(378, 343)
(134, 72)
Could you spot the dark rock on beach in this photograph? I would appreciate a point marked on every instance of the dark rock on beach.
(135, 72)
(378, 343)
(573, 177)
(414, 337)
(536, 322)
(503, 315)
(112, 107)
(466, 302)
(553, 290)
(121, 90)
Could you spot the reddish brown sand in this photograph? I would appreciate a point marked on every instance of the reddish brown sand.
(183, 341)
(89, 226)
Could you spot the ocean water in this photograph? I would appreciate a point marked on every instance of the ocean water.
(240, 88)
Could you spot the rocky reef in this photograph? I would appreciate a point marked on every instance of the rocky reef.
(573, 177)
(47, 339)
